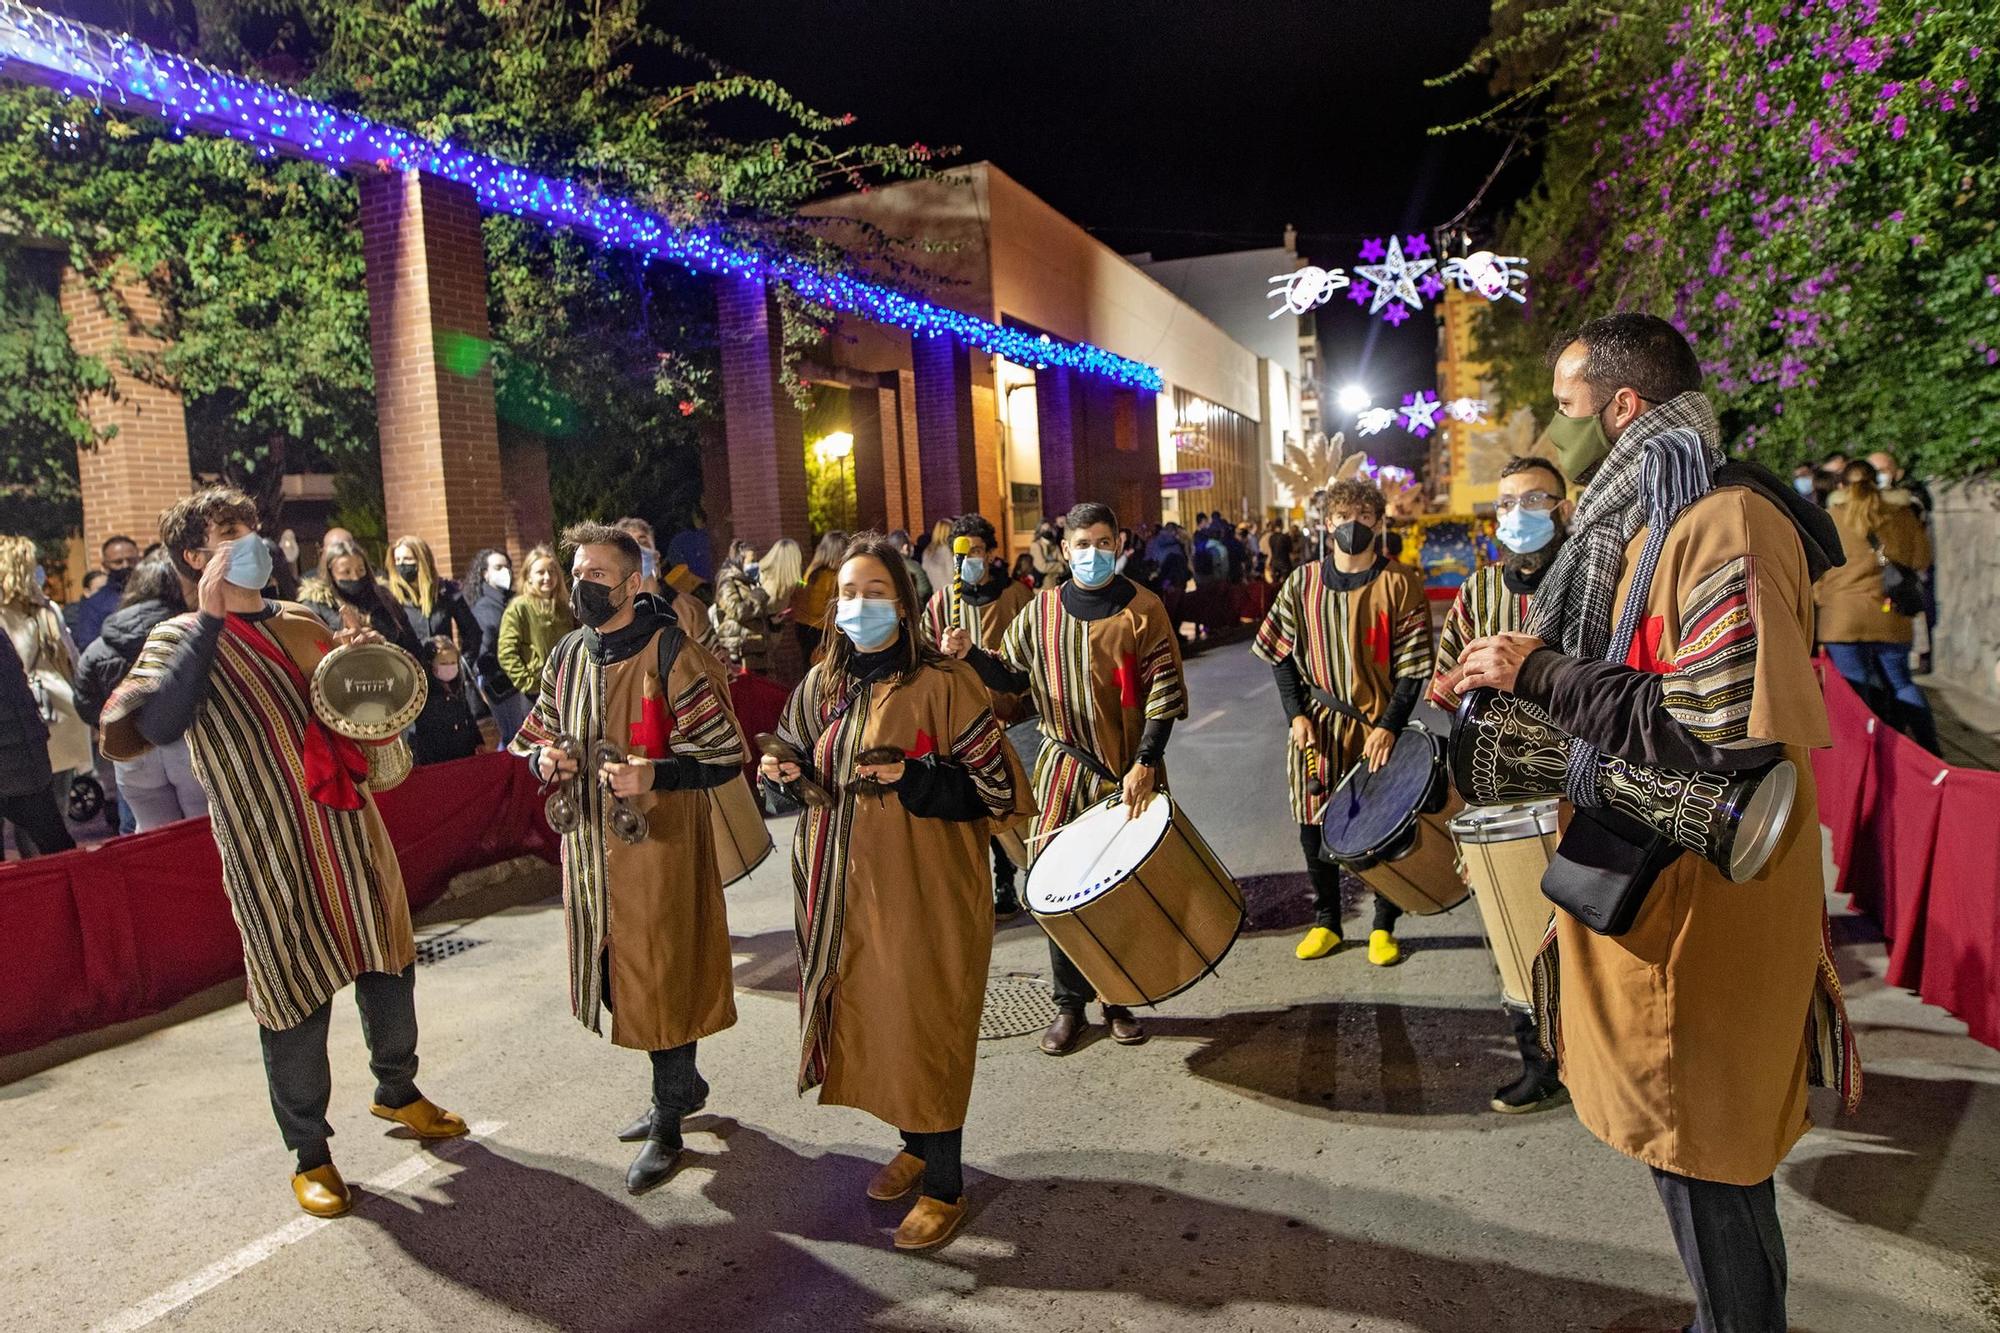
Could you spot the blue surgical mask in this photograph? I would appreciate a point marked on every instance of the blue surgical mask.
(971, 568)
(1092, 567)
(649, 563)
(249, 563)
(750, 571)
(868, 622)
(41, 578)
(1803, 485)
(1523, 530)
(1884, 481)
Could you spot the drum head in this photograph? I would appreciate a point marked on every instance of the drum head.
(1505, 823)
(1093, 853)
(1368, 811)
(368, 691)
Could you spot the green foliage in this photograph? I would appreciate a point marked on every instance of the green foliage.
(259, 265)
(1808, 188)
(42, 384)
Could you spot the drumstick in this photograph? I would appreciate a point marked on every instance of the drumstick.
(960, 548)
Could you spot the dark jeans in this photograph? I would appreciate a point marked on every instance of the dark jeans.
(1072, 990)
(1732, 1249)
(678, 1088)
(1003, 875)
(944, 1175)
(1325, 876)
(38, 822)
(301, 1081)
(1884, 669)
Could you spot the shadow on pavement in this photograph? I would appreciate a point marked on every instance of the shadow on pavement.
(526, 1234)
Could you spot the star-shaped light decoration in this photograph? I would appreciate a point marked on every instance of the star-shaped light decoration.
(1375, 420)
(1466, 409)
(1372, 250)
(1359, 293)
(1420, 412)
(1395, 278)
(1395, 315)
(1431, 287)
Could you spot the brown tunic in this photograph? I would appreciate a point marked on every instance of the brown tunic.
(646, 923)
(1850, 597)
(987, 625)
(1685, 1042)
(894, 912)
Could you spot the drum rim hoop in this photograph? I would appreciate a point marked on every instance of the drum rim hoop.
(378, 732)
(1465, 833)
(1403, 826)
(1028, 884)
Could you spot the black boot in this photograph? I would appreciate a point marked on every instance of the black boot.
(654, 1165)
(1006, 902)
(1538, 1088)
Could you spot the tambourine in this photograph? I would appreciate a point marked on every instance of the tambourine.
(876, 754)
(771, 746)
(370, 692)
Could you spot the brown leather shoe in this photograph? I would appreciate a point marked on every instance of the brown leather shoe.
(1125, 1029)
(898, 1178)
(322, 1192)
(1062, 1034)
(930, 1224)
(424, 1118)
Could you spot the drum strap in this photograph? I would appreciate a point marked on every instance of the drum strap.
(1333, 704)
(1088, 760)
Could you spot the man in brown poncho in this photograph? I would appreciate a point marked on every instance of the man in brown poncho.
(1675, 630)
(648, 934)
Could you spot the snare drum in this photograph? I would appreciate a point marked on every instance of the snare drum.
(1505, 849)
(737, 824)
(1388, 826)
(1141, 906)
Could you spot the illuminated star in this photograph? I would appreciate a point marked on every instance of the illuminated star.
(1395, 278)
(1375, 420)
(1372, 249)
(1431, 287)
(1359, 293)
(1420, 411)
(1416, 246)
(1395, 315)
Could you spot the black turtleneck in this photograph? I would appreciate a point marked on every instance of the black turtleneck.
(987, 591)
(1098, 603)
(650, 615)
(1341, 580)
(1292, 689)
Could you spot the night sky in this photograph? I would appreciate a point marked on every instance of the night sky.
(1181, 129)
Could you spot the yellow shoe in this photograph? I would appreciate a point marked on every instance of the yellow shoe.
(898, 1178)
(1383, 951)
(424, 1118)
(1318, 943)
(930, 1224)
(322, 1192)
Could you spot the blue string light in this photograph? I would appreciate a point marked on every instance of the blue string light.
(78, 59)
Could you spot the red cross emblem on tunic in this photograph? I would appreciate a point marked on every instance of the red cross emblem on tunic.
(923, 745)
(1376, 638)
(1645, 654)
(648, 736)
(1127, 676)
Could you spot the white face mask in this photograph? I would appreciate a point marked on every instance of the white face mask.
(503, 579)
(1884, 481)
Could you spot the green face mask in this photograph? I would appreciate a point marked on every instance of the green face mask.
(1580, 442)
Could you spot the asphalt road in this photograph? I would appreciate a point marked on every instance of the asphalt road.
(1300, 1146)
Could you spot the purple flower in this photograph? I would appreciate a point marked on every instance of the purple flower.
(1890, 89)
(1763, 34)
(1899, 127)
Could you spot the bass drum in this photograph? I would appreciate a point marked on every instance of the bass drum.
(1389, 826)
(1142, 906)
(1505, 849)
(736, 822)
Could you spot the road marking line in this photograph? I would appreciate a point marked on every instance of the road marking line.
(1265, 688)
(257, 1251)
(1203, 720)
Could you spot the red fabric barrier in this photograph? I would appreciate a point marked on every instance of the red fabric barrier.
(131, 927)
(1918, 848)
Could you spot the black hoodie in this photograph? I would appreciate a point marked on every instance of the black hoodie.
(110, 656)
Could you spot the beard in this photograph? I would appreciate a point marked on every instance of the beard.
(1524, 571)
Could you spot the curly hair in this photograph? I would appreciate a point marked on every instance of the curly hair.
(184, 527)
(1353, 493)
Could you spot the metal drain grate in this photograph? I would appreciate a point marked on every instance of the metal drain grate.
(1016, 1006)
(441, 947)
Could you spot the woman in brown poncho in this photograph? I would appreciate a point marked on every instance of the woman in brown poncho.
(893, 913)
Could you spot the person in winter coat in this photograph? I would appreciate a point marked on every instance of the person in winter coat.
(1868, 640)
(159, 787)
(347, 584)
(488, 588)
(434, 606)
(27, 800)
(742, 610)
(42, 642)
(444, 729)
(535, 622)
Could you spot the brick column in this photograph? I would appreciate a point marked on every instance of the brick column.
(912, 520)
(762, 430)
(945, 434)
(1059, 426)
(432, 350)
(531, 514)
(130, 478)
(878, 458)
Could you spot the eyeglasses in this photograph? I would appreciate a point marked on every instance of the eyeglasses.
(1538, 501)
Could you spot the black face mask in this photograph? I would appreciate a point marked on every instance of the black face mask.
(356, 590)
(407, 571)
(592, 603)
(1354, 537)
(116, 577)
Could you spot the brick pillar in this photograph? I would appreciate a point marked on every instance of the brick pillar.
(531, 514)
(715, 501)
(763, 432)
(878, 458)
(1059, 425)
(143, 468)
(432, 349)
(912, 520)
(945, 433)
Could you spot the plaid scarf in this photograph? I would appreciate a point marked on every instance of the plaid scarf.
(1665, 461)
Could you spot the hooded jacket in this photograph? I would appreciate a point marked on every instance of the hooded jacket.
(111, 655)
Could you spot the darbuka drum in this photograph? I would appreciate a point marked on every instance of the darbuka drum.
(1388, 827)
(737, 824)
(1141, 906)
(1504, 850)
(369, 692)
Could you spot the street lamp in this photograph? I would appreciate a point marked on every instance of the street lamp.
(1353, 398)
(838, 446)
